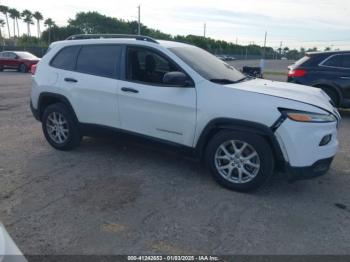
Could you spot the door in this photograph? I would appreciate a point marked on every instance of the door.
(148, 106)
(12, 60)
(345, 78)
(91, 82)
(337, 69)
(5, 60)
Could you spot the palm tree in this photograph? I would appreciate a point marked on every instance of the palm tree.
(14, 14)
(28, 19)
(38, 17)
(2, 24)
(18, 17)
(49, 23)
(4, 9)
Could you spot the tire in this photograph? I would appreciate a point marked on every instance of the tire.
(260, 167)
(333, 95)
(62, 134)
(23, 68)
(1, 68)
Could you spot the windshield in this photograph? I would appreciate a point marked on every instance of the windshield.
(26, 55)
(207, 65)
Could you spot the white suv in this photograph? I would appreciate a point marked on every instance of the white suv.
(180, 94)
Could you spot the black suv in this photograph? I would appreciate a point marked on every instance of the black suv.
(329, 71)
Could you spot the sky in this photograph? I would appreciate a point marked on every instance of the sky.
(295, 23)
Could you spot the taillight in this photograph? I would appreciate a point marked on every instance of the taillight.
(33, 69)
(297, 73)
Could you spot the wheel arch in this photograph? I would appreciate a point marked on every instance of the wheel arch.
(219, 124)
(47, 98)
(331, 86)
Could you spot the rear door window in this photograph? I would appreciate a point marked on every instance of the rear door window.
(65, 59)
(12, 55)
(100, 60)
(334, 61)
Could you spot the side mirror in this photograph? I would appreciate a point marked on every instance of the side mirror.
(176, 79)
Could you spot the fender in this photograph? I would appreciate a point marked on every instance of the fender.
(47, 98)
(238, 125)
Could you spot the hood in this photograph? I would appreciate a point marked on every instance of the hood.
(300, 93)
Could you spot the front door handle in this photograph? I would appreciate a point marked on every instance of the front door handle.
(345, 77)
(72, 80)
(130, 90)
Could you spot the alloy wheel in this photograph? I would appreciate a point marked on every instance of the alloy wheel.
(237, 161)
(57, 127)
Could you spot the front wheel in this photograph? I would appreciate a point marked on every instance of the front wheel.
(239, 161)
(59, 127)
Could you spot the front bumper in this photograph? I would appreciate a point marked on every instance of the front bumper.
(319, 168)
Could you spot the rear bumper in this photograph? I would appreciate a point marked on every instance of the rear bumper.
(34, 111)
(319, 168)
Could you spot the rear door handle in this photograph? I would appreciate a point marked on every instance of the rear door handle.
(130, 90)
(72, 80)
(345, 77)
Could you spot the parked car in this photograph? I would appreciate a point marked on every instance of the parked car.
(226, 58)
(22, 61)
(329, 71)
(176, 93)
(252, 71)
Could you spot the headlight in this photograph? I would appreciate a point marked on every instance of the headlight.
(301, 116)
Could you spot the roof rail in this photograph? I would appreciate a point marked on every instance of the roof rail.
(101, 36)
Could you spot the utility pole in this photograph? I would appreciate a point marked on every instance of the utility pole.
(205, 29)
(262, 61)
(139, 20)
(264, 51)
(280, 48)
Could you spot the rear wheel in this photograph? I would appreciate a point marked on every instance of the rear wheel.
(60, 128)
(239, 161)
(23, 68)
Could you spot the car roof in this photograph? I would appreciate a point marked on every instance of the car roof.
(328, 52)
(163, 43)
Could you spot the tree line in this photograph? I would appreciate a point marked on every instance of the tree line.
(96, 23)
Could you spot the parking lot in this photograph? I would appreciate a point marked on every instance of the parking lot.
(123, 196)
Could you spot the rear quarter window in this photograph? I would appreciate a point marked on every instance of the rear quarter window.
(65, 58)
(301, 61)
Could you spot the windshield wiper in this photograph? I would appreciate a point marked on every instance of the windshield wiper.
(227, 81)
(222, 81)
(244, 79)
